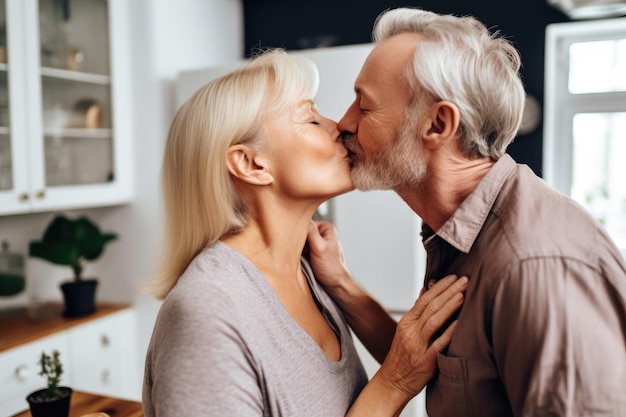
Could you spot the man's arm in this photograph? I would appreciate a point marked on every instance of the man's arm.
(408, 351)
(370, 322)
(558, 339)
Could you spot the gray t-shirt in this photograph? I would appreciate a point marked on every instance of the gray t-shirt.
(224, 345)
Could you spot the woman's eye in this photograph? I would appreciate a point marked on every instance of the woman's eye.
(315, 122)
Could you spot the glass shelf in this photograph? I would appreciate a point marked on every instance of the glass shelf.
(75, 76)
(77, 133)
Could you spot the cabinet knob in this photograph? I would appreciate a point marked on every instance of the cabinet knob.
(41, 194)
(104, 340)
(21, 373)
(23, 197)
(105, 376)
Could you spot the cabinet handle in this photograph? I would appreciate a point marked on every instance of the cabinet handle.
(21, 373)
(23, 197)
(41, 194)
(104, 340)
(105, 376)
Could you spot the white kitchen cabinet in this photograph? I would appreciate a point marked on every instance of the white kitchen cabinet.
(19, 372)
(99, 355)
(65, 128)
(102, 358)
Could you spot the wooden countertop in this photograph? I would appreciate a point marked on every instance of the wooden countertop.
(85, 403)
(17, 329)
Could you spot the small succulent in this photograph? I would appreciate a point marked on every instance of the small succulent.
(51, 369)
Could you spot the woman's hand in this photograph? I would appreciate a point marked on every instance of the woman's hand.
(421, 334)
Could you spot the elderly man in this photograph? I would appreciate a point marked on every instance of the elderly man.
(542, 331)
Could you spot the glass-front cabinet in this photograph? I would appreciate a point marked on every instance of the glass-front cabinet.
(65, 137)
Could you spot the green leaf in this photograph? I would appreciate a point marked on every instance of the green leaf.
(61, 253)
(68, 242)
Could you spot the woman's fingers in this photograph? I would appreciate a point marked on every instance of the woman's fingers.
(442, 342)
(438, 295)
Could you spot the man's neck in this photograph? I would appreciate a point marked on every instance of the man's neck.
(446, 186)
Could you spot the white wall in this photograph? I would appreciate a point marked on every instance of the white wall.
(167, 36)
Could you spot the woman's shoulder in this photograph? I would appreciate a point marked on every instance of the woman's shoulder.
(218, 278)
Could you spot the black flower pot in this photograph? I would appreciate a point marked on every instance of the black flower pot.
(80, 297)
(43, 406)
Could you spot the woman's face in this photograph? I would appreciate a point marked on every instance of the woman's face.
(308, 159)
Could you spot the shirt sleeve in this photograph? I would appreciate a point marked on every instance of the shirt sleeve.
(558, 339)
(200, 364)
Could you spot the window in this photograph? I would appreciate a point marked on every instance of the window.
(585, 118)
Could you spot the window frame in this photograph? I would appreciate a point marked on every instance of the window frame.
(560, 106)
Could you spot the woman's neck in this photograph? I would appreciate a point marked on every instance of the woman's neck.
(274, 239)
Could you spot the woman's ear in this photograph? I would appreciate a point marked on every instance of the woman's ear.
(244, 164)
(443, 124)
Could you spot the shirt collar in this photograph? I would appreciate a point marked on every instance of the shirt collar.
(461, 229)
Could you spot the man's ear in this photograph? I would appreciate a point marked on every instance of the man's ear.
(443, 124)
(244, 164)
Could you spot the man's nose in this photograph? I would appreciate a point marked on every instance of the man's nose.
(348, 123)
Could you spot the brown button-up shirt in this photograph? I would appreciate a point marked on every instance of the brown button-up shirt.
(542, 331)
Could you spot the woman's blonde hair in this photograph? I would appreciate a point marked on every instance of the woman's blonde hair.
(201, 201)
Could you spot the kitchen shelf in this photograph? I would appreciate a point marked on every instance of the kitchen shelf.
(18, 329)
(77, 133)
(84, 77)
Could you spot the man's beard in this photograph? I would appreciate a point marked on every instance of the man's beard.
(402, 165)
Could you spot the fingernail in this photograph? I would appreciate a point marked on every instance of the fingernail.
(463, 280)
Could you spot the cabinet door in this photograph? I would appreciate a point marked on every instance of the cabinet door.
(77, 154)
(104, 357)
(19, 371)
(14, 182)
(78, 141)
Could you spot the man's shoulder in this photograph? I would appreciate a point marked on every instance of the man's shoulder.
(536, 220)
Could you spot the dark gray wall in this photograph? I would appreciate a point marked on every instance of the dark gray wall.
(295, 24)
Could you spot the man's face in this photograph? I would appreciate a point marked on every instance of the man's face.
(386, 152)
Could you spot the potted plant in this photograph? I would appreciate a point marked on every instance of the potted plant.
(72, 243)
(53, 401)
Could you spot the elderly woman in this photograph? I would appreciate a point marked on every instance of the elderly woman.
(245, 329)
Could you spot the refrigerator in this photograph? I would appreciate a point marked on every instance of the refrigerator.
(380, 235)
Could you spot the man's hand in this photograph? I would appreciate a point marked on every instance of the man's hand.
(326, 256)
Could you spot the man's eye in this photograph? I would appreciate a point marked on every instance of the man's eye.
(315, 122)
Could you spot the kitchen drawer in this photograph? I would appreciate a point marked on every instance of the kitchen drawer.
(103, 354)
(19, 372)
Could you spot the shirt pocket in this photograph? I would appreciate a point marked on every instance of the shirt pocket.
(448, 394)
